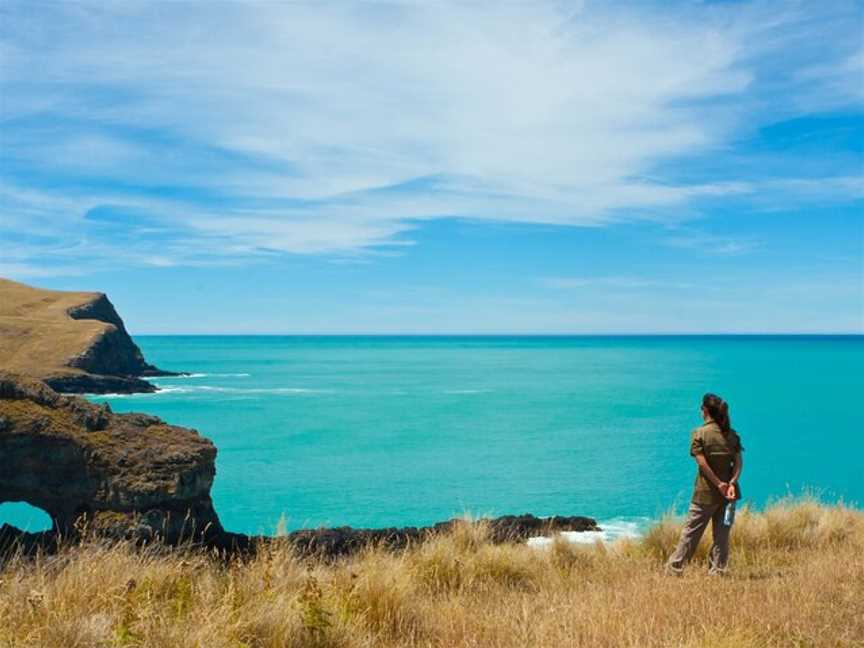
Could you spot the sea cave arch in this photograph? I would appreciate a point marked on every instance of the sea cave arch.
(25, 516)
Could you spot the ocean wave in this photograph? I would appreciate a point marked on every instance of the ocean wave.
(205, 389)
(97, 396)
(612, 530)
(162, 390)
(262, 390)
(209, 375)
(467, 391)
(193, 389)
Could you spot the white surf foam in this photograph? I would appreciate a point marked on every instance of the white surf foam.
(208, 375)
(97, 395)
(259, 390)
(611, 530)
(162, 390)
(199, 389)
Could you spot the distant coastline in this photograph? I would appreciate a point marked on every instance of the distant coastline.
(470, 336)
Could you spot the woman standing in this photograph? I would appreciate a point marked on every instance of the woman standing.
(716, 447)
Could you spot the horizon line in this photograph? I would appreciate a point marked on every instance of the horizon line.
(502, 335)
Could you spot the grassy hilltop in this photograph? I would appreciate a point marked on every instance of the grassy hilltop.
(797, 579)
(45, 337)
(74, 341)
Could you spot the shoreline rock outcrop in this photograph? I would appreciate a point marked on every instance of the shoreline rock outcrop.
(340, 541)
(74, 341)
(124, 476)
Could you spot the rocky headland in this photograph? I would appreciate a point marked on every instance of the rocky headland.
(74, 341)
(118, 475)
(131, 476)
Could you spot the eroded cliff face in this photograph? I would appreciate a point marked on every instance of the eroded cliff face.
(74, 341)
(114, 352)
(116, 475)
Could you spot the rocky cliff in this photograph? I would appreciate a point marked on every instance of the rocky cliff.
(74, 341)
(118, 475)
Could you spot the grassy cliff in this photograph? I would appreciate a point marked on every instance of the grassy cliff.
(74, 341)
(797, 579)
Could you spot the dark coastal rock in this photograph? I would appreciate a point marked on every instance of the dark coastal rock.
(87, 383)
(340, 541)
(124, 476)
(113, 353)
(74, 341)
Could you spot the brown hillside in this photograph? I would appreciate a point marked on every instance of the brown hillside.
(75, 341)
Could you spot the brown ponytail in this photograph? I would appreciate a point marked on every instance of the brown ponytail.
(718, 409)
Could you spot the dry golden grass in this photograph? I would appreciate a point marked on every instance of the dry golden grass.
(797, 579)
(37, 336)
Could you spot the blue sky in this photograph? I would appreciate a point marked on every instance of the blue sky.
(532, 167)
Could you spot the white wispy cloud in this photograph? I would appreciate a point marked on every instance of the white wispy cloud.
(711, 244)
(253, 128)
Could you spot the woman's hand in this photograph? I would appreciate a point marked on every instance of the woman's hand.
(722, 487)
(730, 492)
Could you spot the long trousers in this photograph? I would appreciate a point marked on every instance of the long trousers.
(694, 526)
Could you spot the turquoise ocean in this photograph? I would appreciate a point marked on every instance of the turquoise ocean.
(392, 431)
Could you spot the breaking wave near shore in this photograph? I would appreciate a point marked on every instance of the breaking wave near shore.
(611, 530)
